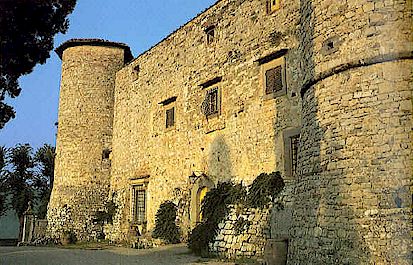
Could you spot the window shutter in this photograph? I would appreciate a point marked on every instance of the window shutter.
(273, 80)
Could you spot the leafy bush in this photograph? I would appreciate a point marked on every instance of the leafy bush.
(199, 238)
(214, 209)
(264, 189)
(165, 225)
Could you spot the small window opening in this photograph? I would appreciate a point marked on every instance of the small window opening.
(273, 5)
(273, 80)
(294, 145)
(210, 34)
(170, 117)
(106, 154)
(211, 103)
(330, 45)
(291, 151)
(136, 71)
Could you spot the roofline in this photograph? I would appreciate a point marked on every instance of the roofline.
(94, 42)
(176, 30)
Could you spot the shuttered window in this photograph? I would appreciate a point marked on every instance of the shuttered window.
(273, 80)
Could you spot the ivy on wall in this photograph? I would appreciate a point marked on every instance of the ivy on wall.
(215, 206)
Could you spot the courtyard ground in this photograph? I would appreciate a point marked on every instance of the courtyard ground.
(166, 255)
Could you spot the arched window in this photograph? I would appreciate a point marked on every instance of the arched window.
(200, 197)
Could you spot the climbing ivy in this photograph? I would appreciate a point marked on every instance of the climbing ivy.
(264, 189)
(215, 206)
(214, 209)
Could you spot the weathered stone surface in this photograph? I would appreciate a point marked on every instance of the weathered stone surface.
(82, 175)
(244, 140)
(350, 61)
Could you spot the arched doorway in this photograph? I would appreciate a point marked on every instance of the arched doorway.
(201, 185)
(200, 197)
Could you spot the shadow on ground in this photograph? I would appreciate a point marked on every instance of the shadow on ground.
(167, 255)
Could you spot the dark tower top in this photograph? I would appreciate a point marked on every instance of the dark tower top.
(94, 42)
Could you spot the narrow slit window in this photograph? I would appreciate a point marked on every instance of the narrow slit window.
(291, 151)
(210, 35)
(170, 117)
(135, 72)
(294, 145)
(106, 154)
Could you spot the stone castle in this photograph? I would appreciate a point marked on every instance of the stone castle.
(319, 90)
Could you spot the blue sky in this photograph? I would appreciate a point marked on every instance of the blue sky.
(138, 23)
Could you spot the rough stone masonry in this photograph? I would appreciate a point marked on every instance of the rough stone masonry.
(229, 95)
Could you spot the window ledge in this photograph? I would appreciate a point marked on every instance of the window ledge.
(214, 125)
(274, 95)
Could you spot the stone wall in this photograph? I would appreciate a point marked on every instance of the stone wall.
(350, 61)
(244, 140)
(243, 233)
(353, 198)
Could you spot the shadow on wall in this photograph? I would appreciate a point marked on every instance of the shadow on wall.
(325, 228)
(219, 160)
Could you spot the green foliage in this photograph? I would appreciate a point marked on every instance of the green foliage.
(44, 177)
(215, 204)
(165, 225)
(27, 30)
(241, 225)
(26, 177)
(214, 209)
(20, 179)
(3, 151)
(3, 190)
(200, 237)
(264, 189)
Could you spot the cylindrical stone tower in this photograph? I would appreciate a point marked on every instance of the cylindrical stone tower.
(353, 193)
(82, 168)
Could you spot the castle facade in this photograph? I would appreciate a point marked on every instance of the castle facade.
(319, 90)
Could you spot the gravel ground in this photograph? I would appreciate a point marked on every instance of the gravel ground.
(167, 255)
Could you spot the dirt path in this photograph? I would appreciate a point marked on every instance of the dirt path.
(167, 255)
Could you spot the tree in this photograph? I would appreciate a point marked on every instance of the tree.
(19, 179)
(44, 178)
(27, 29)
(26, 178)
(3, 207)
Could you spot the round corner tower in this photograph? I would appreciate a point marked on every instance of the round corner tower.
(83, 146)
(353, 193)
